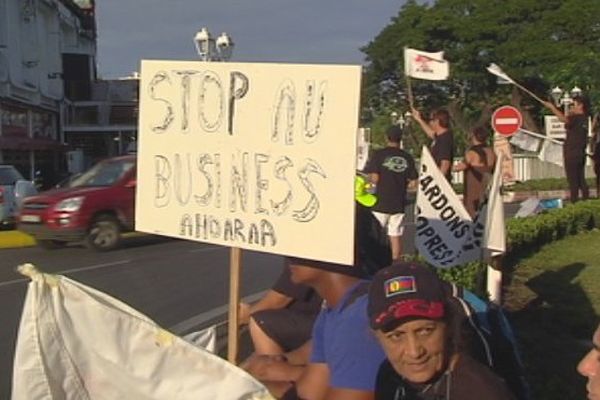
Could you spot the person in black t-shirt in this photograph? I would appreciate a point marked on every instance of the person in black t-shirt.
(576, 124)
(282, 320)
(392, 170)
(442, 145)
(421, 338)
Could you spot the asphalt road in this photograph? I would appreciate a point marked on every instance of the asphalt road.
(176, 283)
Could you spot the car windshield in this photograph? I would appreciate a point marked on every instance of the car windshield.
(9, 175)
(105, 173)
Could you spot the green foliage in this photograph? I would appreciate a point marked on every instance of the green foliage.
(531, 232)
(526, 234)
(469, 276)
(540, 44)
(544, 184)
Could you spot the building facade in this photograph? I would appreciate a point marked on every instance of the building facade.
(51, 103)
(47, 53)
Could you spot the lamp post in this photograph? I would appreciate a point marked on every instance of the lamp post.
(221, 49)
(210, 49)
(401, 120)
(564, 97)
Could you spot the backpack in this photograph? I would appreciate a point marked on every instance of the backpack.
(490, 338)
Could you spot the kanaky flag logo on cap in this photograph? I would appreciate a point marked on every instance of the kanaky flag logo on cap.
(399, 285)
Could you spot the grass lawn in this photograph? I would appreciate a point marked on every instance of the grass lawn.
(553, 301)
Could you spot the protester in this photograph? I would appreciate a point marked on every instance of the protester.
(442, 146)
(478, 166)
(576, 124)
(589, 367)
(282, 320)
(417, 329)
(392, 170)
(344, 356)
(596, 151)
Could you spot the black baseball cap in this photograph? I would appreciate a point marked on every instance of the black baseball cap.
(404, 291)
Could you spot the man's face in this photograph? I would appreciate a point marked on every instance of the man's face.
(303, 274)
(433, 122)
(589, 367)
(416, 349)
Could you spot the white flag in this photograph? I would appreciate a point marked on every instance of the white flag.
(423, 65)
(524, 141)
(494, 237)
(552, 152)
(496, 70)
(446, 235)
(76, 343)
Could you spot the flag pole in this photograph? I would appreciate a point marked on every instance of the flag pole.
(529, 92)
(409, 91)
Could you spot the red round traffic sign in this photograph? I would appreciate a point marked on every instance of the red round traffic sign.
(507, 120)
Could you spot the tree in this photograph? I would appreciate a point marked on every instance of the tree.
(539, 43)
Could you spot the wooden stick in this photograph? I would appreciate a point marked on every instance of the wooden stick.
(409, 91)
(235, 261)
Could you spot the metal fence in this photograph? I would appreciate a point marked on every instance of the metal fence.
(527, 167)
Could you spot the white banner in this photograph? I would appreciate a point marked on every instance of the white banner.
(76, 343)
(552, 152)
(445, 234)
(423, 65)
(256, 156)
(525, 141)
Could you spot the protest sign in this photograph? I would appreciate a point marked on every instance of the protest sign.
(555, 128)
(446, 235)
(250, 155)
(525, 141)
(552, 152)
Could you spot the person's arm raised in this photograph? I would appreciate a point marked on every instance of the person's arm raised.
(424, 125)
(550, 106)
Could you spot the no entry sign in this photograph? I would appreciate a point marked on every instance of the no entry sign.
(507, 120)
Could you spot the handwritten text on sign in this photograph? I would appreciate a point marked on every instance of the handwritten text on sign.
(258, 156)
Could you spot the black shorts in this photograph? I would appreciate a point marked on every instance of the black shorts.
(288, 328)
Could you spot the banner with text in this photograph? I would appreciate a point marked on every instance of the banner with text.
(446, 235)
(251, 155)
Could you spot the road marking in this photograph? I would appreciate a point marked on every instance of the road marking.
(70, 271)
(199, 321)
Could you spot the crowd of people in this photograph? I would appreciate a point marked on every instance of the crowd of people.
(386, 328)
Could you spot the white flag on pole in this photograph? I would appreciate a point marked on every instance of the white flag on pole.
(423, 65)
(552, 152)
(446, 235)
(525, 141)
(76, 343)
(494, 237)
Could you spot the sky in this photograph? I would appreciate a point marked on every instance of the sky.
(288, 31)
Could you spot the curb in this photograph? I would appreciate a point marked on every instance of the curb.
(15, 239)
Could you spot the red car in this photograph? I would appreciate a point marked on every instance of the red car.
(94, 207)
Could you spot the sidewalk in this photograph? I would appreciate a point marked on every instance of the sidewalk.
(15, 239)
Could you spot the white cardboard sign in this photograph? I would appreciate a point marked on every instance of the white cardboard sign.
(256, 156)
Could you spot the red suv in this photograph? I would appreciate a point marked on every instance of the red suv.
(94, 207)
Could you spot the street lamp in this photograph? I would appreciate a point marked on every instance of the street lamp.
(565, 98)
(401, 120)
(210, 49)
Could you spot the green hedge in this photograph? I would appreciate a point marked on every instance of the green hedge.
(537, 230)
(527, 234)
(544, 184)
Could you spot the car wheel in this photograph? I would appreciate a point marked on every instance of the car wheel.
(50, 244)
(104, 234)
